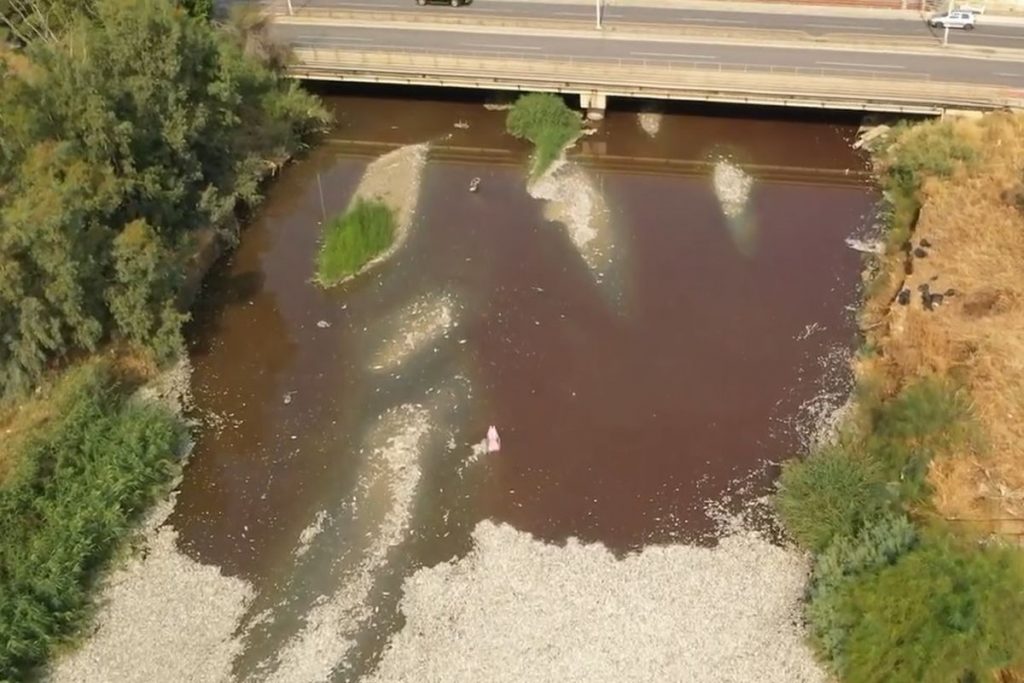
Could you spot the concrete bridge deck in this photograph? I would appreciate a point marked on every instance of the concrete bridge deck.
(375, 47)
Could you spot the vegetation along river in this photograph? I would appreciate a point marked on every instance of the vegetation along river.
(338, 452)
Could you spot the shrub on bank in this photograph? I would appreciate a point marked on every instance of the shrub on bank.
(78, 485)
(878, 544)
(930, 150)
(906, 432)
(827, 495)
(835, 492)
(544, 120)
(353, 239)
(943, 612)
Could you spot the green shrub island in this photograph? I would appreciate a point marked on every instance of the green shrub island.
(353, 239)
(546, 121)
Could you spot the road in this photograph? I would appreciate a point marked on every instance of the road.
(812, 25)
(1008, 72)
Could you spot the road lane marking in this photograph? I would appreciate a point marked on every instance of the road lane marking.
(672, 54)
(704, 20)
(335, 39)
(861, 66)
(865, 29)
(1008, 74)
(503, 47)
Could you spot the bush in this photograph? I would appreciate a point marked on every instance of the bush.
(353, 239)
(925, 150)
(77, 488)
(828, 494)
(944, 612)
(906, 432)
(544, 120)
(877, 545)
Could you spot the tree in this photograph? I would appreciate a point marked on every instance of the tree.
(138, 125)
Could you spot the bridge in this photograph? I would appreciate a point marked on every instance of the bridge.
(522, 46)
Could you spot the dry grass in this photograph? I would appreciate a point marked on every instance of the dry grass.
(976, 336)
(22, 418)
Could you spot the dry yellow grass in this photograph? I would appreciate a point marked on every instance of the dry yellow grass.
(976, 234)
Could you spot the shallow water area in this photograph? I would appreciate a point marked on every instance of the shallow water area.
(623, 410)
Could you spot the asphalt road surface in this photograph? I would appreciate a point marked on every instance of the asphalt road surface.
(984, 35)
(706, 54)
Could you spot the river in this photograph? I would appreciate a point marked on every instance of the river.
(627, 401)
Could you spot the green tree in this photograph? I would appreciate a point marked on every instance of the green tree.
(142, 295)
(138, 125)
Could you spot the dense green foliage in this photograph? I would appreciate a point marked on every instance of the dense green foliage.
(77, 487)
(201, 9)
(353, 239)
(138, 125)
(943, 612)
(878, 543)
(884, 605)
(544, 120)
(829, 494)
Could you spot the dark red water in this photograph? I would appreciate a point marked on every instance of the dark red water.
(622, 414)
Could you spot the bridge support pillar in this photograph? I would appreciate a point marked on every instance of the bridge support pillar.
(594, 103)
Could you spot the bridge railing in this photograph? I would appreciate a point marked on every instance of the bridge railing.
(639, 76)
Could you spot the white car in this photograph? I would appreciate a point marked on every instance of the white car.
(954, 19)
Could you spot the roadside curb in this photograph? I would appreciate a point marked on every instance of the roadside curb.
(351, 19)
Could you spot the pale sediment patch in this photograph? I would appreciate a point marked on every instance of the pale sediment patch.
(395, 180)
(732, 187)
(574, 200)
(172, 387)
(162, 617)
(310, 533)
(650, 122)
(517, 609)
(396, 443)
(414, 328)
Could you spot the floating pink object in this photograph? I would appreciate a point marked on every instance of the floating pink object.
(493, 440)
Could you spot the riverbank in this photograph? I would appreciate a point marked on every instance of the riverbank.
(922, 486)
(105, 203)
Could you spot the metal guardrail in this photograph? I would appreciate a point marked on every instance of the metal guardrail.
(617, 76)
(430, 57)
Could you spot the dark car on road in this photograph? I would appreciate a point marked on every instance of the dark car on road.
(453, 3)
